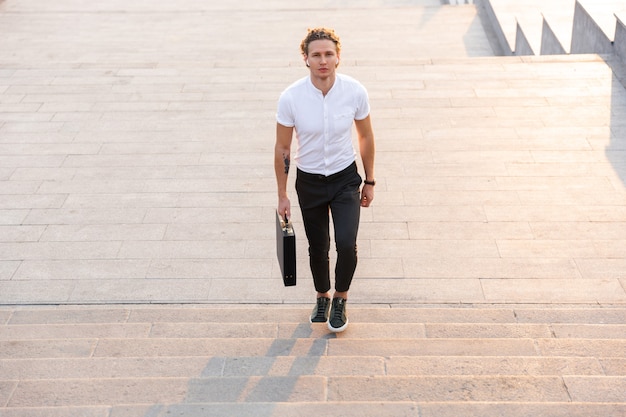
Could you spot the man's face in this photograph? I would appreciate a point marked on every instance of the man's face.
(322, 58)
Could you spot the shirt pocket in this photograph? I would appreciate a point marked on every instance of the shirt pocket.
(342, 123)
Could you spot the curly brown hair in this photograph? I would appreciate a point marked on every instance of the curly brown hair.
(317, 34)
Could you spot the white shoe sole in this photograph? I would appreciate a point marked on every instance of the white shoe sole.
(338, 329)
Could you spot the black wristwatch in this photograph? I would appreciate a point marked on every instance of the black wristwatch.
(372, 183)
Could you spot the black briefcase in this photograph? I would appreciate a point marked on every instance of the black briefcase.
(286, 250)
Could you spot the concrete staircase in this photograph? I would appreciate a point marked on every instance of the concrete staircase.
(559, 27)
(252, 360)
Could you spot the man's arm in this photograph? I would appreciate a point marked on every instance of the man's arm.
(367, 149)
(282, 164)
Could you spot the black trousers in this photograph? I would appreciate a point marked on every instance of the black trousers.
(337, 194)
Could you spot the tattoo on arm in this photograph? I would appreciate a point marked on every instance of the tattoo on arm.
(287, 163)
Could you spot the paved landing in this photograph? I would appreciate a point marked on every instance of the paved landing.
(136, 157)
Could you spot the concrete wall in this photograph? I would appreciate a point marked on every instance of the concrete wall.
(550, 44)
(587, 36)
(522, 45)
(497, 28)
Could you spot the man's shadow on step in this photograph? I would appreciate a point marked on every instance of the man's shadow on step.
(252, 386)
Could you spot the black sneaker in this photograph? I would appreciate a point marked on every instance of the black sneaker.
(320, 311)
(338, 319)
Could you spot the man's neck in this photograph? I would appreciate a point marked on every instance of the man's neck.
(323, 84)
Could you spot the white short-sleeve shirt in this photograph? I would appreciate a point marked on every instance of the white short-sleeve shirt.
(323, 124)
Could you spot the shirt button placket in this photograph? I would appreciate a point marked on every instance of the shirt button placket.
(326, 138)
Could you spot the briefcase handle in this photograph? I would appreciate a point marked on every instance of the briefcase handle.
(285, 224)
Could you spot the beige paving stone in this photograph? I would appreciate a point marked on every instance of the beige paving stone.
(484, 388)
(18, 187)
(470, 248)
(102, 368)
(482, 331)
(263, 289)
(232, 249)
(55, 292)
(4, 316)
(31, 126)
(187, 347)
(589, 331)
(57, 412)
(51, 161)
(572, 315)
(81, 392)
(112, 161)
(593, 389)
(469, 230)
(132, 290)
(600, 348)
(554, 290)
(359, 330)
(217, 314)
(126, 200)
(580, 231)
(69, 315)
(602, 213)
(81, 269)
(610, 249)
(7, 269)
(493, 268)
(407, 290)
(379, 268)
(421, 314)
(5, 393)
(78, 233)
(208, 268)
(614, 366)
(520, 409)
(57, 250)
(85, 216)
(35, 201)
(497, 365)
(547, 248)
(50, 149)
(460, 197)
(217, 330)
(47, 348)
(430, 213)
(537, 212)
(31, 174)
(73, 331)
(428, 347)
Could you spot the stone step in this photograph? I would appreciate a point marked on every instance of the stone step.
(343, 408)
(529, 389)
(282, 313)
(418, 364)
(393, 360)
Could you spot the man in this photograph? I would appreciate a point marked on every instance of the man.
(321, 109)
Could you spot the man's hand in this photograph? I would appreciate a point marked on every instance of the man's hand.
(284, 207)
(367, 195)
